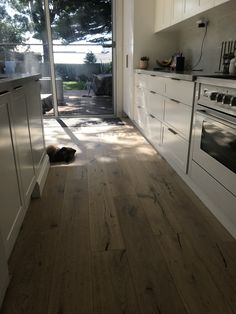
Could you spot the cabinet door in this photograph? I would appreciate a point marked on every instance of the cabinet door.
(22, 143)
(163, 14)
(217, 2)
(159, 17)
(178, 11)
(180, 90)
(11, 204)
(205, 5)
(34, 108)
(178, 115)
(155, 105)
(153, 130)
(175, 148)
(191, 7)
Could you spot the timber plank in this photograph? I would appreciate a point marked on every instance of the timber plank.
(33, 257)
(71, 287)
(153, 283)
(113, 289)
(104, 224)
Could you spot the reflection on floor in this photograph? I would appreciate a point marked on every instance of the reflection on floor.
(79, 102)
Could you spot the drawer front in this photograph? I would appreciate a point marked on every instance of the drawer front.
(141, 80)
(140, 117)
(156, 84)
(153, 132)
(178, 115)
(180, 90)
(140, 97)
(155, 105)
(175, 147)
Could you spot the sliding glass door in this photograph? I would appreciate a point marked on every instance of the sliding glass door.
(70, 43)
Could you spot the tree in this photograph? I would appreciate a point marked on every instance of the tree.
(12, 28)
(90, 58)
(70, 20)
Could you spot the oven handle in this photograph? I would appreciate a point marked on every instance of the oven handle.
(215, 116)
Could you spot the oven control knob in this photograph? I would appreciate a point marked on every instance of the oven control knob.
(227, 99)
(219, 97)
(213, 95)
(233, 102)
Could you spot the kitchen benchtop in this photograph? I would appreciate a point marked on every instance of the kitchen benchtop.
(186, 75)
(8, 81)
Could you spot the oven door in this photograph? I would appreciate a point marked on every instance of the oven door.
(214, 148)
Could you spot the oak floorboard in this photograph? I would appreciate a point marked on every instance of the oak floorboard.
(154, 285)
(113, 289)
(71, 286)
(104, 224)
(32, 260)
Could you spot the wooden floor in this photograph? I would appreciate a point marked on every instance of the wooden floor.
(117, 231)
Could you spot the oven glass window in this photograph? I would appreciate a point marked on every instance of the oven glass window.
(219, 141)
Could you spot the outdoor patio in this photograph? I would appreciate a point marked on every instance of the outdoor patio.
(79, 102)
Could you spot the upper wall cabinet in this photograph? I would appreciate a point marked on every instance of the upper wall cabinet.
(164, 12)
(170, 12)
(178, 11)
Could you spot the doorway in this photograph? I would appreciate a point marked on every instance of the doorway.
(82, 56)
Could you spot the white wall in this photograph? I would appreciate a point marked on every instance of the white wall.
(222, 27)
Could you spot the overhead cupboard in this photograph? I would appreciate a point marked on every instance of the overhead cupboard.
(170, 12)
(163, 112)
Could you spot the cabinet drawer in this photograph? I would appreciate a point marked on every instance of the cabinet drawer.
(141, 80)
(140, 97)
(156, 84)
(140, 117)
(178, 115)
(180, 90)
(155, 105)
(175, 148)
(153, 130)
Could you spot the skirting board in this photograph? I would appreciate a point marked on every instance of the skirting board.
(42, 176)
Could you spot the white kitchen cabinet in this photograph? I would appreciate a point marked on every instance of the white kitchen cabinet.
(155, 83)
(177, 11)
(11, 204)
(34, 109)
(153, 130)
(164, 11)
(218, 2)
(205, 5)
(191, 8)
(175, 148)
(155, 105)
(22, 143)
(178, 115)
(180, 90)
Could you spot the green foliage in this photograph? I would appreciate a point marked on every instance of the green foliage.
(12, 28)
(90, 58)
(73, 85)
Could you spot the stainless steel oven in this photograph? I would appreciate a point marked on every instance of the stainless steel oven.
(214, 133)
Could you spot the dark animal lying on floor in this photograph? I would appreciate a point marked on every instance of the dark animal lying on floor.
(56, 154)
